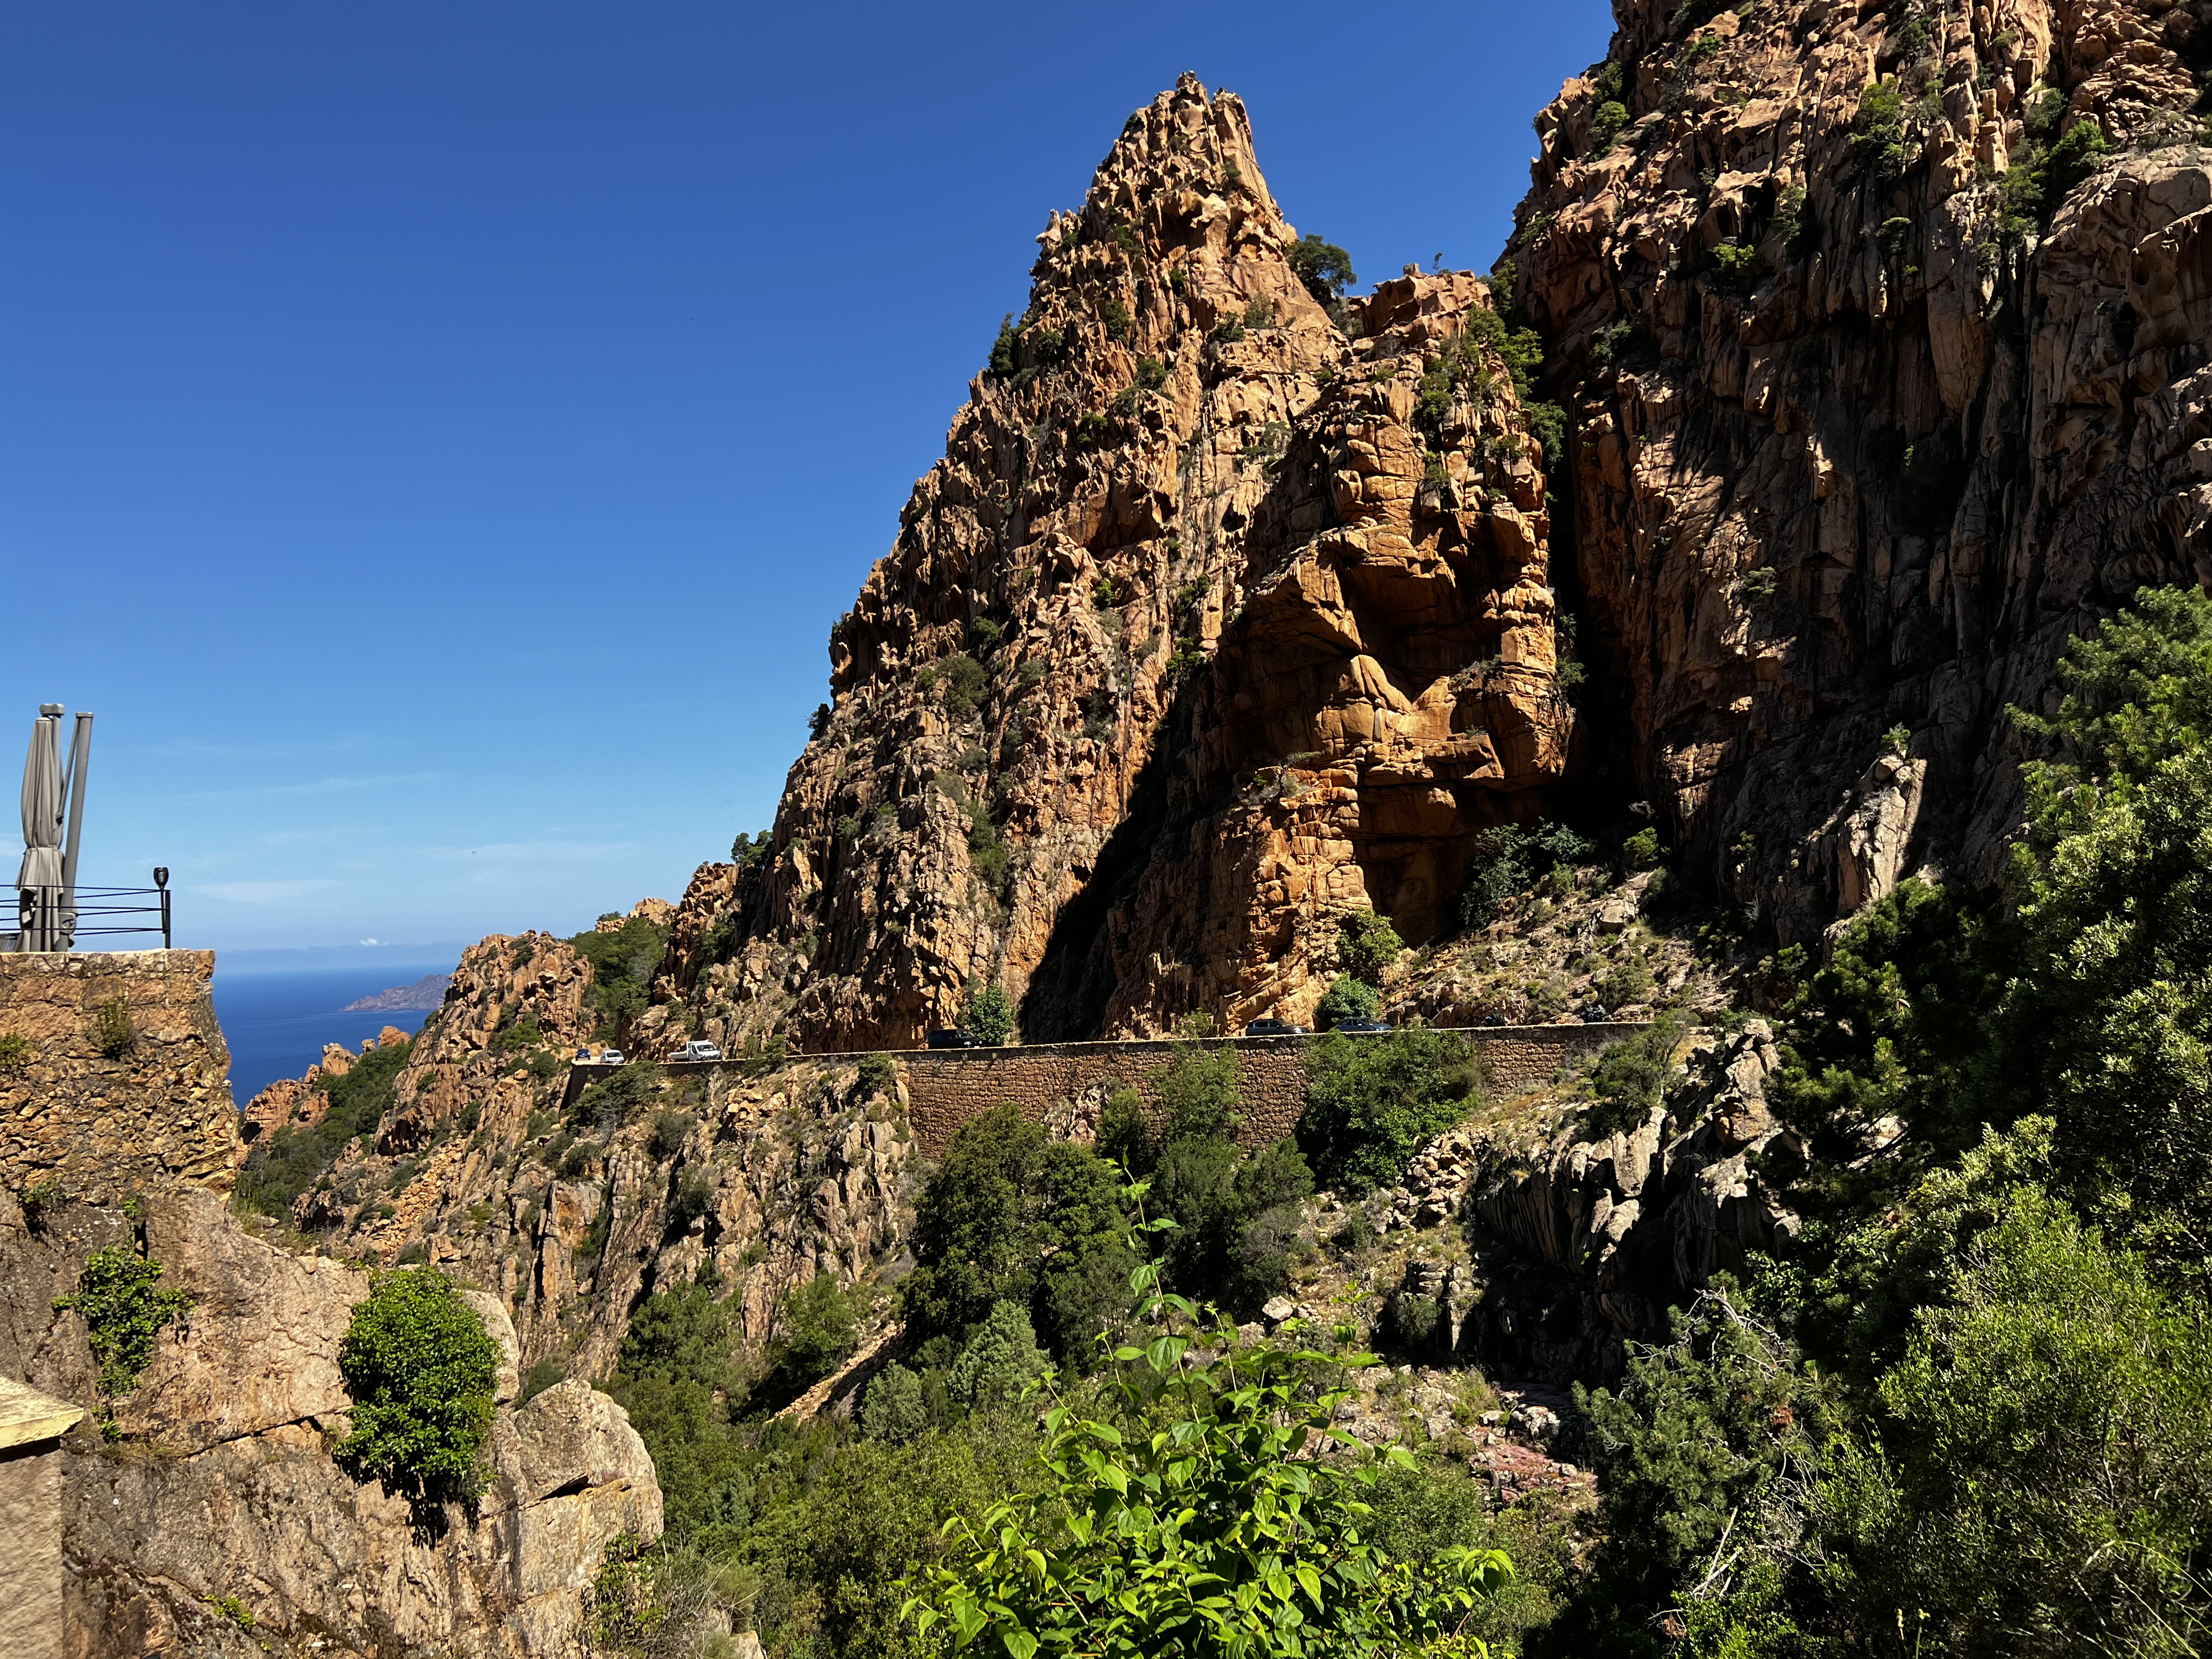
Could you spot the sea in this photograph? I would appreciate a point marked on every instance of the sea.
(278, 1020)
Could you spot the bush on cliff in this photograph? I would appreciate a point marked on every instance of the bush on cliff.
(1323, 267)
(125, 1306)
(421, 1369)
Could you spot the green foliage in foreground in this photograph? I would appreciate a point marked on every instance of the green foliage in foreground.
(292, 1159)
(421, 1369)
(1188, 1516)
(1371, 1100)
(125, 1307)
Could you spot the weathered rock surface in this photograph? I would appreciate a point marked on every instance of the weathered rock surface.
(1580, 1242)
(1849, 449)
(220, 1498)
(1207, 629)
(122, 1082)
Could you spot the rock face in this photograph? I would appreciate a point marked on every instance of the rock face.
(1856, 438)
(1225, 613)
(217, 1522)
(1580, 1242)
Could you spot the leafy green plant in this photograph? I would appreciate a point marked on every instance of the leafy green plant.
(1370, 1101)
(669, 1129)
(990, 1015)
(624, 963)
(1631, 1077)
(421, 1369)
(1642, 850)
(1606, 123)
(1735, 267)
(1347, 998)
(1509, 859)
(1189, 1518)
(125, 1307)
(1367, 944)
(1881, 137)
(1323, 267)
(16, 1051)
(816, 1328)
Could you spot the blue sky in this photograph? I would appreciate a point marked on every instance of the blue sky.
(448, 430)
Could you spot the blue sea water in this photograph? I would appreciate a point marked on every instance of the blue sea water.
(277, 1021)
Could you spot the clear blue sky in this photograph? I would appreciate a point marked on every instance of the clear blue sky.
(444, 433)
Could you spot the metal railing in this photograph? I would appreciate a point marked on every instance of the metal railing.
(51, 919)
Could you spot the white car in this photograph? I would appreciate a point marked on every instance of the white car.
(611, 1057)
(696, 1050)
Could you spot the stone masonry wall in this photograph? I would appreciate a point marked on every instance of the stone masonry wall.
(103, 1124)
(1064, 1085)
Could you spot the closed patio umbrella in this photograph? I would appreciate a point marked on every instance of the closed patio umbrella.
(39, 882)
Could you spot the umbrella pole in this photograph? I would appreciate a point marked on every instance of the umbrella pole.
(73, 791)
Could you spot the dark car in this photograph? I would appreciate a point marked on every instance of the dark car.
(954, 1038)
(1274, 1028)
(1361, 1027)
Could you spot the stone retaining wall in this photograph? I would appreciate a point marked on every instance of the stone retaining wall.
(1064, 1085)
(103, 1125)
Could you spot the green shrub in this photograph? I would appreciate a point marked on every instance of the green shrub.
(1152, 373)
(1606, 123)
(1116, 319)
(1735, 267)
(964, 683)
(421, 1369)
(124, 1308)
(624, 964)
(113, 1029)
(694, 1197)
(1000, 1359)
(1508, 860)
(1631, 1077)
(1626, 982)
(542, 1375)
(816, 1329)
(893, 1410)
(1002, 349)
(610, 1101)
(1367, 944)
(1413, 1320)
(1642, 850)
(878, 1075)
(990, 1015)
(16, 1051)
(1370, 1101)
(1881, 138)
(1323, 267)
(670, 1130)
(1347, 998)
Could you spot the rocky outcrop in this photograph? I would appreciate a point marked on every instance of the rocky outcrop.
(211, 1519)
(1225, 613)
(1579, 1243)
(1859, 432)
(303, 1102)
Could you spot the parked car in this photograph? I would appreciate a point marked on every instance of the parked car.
(1274, 1028)
(1362, 1027)
(583, 1056)
(953, 1038)
(611, 1057)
